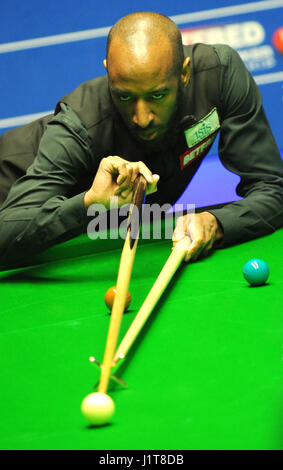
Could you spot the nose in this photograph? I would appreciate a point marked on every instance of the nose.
(142, 116)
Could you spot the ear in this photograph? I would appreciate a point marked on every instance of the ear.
(186, 72)
(105, 63)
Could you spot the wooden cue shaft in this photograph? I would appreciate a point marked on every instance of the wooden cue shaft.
(173, 262)
(123, 279)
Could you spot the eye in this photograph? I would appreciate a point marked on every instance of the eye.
(125, 98)
(157, 96)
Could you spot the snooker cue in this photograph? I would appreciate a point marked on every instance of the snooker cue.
(170, 267)
(123, 280)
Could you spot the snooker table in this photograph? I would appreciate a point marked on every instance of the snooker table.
(205, 372)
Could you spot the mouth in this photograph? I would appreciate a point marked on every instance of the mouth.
(148, 135)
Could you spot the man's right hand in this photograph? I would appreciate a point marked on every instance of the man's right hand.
(115, 177)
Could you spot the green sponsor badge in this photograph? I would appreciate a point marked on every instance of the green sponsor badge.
(204, 128)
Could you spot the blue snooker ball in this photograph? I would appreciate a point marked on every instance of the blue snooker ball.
(256, 272)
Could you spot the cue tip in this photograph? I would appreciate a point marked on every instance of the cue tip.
(93, 360)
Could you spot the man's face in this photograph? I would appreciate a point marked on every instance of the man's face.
(144, 90)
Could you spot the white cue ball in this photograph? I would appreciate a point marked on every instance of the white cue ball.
(98, 408)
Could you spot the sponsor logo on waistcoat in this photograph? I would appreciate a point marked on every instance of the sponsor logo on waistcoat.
(199, 137)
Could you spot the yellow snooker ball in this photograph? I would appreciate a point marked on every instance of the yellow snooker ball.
(98, 408)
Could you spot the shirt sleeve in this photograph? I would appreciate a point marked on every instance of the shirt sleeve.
(247, 148)
(42, 207)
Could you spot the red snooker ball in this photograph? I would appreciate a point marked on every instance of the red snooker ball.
(110, 295)
(277, 39)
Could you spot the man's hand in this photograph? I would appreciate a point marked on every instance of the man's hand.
(203, 230)
(115, 177)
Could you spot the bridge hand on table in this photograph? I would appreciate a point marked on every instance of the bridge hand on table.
(203, 230)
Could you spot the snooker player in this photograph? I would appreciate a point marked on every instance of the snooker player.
(157, 112)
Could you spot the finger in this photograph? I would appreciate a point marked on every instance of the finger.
(120, 169)
(208, 248)
(210, 245)
(125, 174)
(193, 254)
(111, 164)
(127, 187)
(117, 165)
(203, 244)
(188, 257)
(152, 187)
(180, 229)
(197, 235)
(145, 171)
(126, 194)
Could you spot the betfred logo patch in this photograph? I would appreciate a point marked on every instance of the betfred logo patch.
(197, 151)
